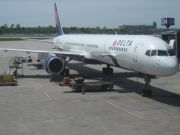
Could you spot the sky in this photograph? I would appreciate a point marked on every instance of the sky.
(89, 13)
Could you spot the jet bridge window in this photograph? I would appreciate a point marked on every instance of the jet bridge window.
(171, 52)
(162, 53)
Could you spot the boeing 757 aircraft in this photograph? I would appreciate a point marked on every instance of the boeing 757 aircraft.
(147, 55)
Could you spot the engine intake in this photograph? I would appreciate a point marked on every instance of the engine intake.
(54, 64)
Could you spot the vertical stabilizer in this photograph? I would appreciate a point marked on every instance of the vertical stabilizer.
(59, 30)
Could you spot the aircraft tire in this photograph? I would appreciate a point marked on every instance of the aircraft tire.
(107, 70)
(110, 70)
(104, 71)
(144, 93)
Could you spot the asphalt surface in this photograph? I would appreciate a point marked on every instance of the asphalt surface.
(40, 107)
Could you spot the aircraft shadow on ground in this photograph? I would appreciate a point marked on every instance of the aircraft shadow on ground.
(89, 91)
(126, 85)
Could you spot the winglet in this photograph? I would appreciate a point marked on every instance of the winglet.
(59, 30)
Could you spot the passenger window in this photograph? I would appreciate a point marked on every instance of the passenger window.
(148, 53)
(162, 53)
(153, 52)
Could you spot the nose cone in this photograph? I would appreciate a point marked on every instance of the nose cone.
(168, 66)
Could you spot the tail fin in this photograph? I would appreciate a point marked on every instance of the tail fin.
(59, 30)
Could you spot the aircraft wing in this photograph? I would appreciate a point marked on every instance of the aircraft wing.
(69, 53)
(41, 40)
(38, 65)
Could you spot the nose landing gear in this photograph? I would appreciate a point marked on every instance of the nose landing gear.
(147, 90)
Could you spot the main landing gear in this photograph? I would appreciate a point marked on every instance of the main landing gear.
(65, 72)
(146, 92)
(107, 70)
(66, 69)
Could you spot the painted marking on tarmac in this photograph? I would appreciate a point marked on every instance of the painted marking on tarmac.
(122, 109)
(45, 93)
(141, 98)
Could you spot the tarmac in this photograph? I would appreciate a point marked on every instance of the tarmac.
(40, 107)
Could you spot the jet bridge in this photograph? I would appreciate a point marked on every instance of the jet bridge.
(173, 39)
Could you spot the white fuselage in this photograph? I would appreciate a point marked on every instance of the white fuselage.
(125, 51)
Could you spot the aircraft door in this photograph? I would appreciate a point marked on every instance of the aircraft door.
(135, 58)
(135, 63)
(105, 45)
(107, 52)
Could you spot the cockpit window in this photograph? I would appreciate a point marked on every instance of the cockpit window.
(148, 52)
(171, 52)
(162, 53)
(153, 53)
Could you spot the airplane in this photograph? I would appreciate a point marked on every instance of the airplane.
(147, 55)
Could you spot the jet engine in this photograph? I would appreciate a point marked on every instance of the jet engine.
(54, 64)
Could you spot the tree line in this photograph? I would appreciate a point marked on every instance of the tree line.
(17, 29)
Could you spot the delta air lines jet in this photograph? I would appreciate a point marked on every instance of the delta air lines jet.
(147, 55)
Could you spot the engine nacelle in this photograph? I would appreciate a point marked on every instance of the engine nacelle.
(54, 64)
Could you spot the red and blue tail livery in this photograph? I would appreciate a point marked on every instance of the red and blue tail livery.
(59, 30)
